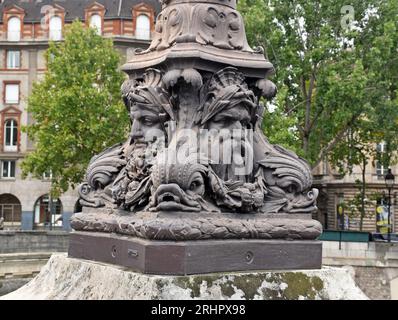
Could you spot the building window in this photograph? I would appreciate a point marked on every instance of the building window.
(55, 27)
(12, 93)
(48, 211)
(13, 59)
(381, 170)
(96, 23)
(10, 210)
(14, 29)
(143, 27)
(381, 147)
(11, 135)
(8, 169)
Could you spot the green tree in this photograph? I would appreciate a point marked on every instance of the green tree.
(335, 65)
(376, 91)
(379, 43)
(77, 108)
(359, 150)
(337, 74)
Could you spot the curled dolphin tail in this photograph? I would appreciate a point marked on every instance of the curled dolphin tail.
(288, 181)
(171, 170)
(105, 166)
(288, 170)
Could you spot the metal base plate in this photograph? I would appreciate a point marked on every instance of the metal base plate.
(195, 257)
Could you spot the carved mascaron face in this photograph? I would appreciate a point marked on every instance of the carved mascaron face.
(235, 118)
(170, 170)
(146, 124)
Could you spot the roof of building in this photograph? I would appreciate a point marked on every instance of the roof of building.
(75, 8)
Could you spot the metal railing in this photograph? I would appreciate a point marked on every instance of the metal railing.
(12, 215)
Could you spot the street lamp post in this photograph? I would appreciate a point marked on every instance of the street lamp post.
(390, 179)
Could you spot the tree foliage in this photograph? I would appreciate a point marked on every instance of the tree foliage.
(77, 108)
(336, 73)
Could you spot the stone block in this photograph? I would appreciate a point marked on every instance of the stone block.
(66, 278)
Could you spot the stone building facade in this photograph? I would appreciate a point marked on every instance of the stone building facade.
(336, 209)
(26, 27)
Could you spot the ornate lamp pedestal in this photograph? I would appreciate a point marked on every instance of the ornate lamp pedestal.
(197, 182)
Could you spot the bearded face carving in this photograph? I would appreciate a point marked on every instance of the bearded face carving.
(228, 116)
(216, 167)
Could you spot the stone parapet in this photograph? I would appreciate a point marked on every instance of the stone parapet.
(33, 241)
(372, 254)
(21, 265)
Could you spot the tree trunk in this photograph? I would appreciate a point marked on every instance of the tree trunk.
(306, 144)
(363, 194)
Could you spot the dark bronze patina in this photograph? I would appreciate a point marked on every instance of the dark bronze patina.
(196, 92)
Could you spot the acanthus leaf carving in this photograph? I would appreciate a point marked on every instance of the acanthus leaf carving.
(217, 25)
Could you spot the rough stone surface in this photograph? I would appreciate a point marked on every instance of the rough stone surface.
(66, 278)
